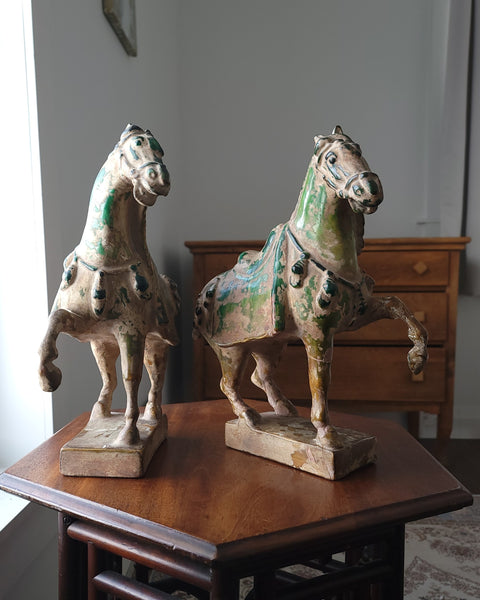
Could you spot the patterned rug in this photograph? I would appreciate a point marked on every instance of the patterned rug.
(442, 558)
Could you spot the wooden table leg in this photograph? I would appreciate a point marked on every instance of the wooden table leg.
(395, 555)
(264, 586)
(98, 561)
(72, 563)
(224, 586)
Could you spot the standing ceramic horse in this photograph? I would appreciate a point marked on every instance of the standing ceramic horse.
(111, 294)
(304, 284)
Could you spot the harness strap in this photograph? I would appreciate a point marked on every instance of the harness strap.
(307, 256)
(132, 267)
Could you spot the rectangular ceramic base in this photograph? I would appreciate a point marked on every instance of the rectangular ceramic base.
(91, 454)
(290, 441)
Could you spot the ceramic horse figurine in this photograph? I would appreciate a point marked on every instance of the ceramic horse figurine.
(111, 294)
(304, 284)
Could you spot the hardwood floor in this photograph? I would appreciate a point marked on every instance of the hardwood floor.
(461, 457)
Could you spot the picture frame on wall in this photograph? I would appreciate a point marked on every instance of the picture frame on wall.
(121, 16)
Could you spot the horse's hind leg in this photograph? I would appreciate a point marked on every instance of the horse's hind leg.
(156, 353)
(106, 354)
(233, 361)
(263, 377)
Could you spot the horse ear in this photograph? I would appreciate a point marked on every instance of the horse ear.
(320, 142)
(337, 130)
(129, 128)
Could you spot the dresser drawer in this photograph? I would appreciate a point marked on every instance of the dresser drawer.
(402, 270)
(430, 308)
(374, 374)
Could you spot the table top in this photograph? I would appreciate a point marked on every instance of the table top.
(213, 503)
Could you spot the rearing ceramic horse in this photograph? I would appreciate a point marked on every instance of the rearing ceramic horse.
(111, 294)
(304, 284)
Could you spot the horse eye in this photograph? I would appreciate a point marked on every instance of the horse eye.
(332, 159)
(138, 142)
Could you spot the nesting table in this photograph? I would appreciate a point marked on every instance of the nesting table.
(208, 515)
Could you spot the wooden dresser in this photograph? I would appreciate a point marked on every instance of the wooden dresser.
(369, 369)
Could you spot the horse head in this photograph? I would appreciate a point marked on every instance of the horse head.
(141, 163)
(344, 170)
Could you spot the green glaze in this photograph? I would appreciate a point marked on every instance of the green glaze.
(132, 344)
(222, 312)
(154, 145)
(107, 213)
(311, 197)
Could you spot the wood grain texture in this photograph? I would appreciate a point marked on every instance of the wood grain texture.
(204, 500)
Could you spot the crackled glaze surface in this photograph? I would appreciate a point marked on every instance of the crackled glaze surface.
(111, 294)
(304, 284)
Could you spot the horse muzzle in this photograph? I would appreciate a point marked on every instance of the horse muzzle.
(151, 180)
(364, 192)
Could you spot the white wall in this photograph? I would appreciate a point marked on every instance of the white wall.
(88, 90)
(235, 92)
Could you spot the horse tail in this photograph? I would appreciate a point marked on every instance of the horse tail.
(205, 301)
(174, 290)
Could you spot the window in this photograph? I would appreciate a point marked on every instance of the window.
(26, 411)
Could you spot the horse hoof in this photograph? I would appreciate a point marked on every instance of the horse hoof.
(129, 436)
(285, 409)
(416, 361)
(152, 416)
(50, 378)
(329, 439)
(99, 412)
(252, 417)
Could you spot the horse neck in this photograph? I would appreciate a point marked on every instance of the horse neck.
(326, 227)
(114, 233)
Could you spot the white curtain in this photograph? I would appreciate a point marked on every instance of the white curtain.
(447, 112)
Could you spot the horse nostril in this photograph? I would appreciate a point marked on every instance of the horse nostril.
(152, 173)
(373, 187)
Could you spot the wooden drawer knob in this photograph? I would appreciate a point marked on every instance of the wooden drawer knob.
(420, 267)
(420, 315)
(418, 378)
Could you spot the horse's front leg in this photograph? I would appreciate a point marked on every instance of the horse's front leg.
(391, 307)
(319, 355)
(156, 353)
(60, 321)
(132, 347)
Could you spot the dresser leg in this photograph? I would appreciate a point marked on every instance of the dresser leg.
(72, 563)
(445, 423)
(413, 423)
